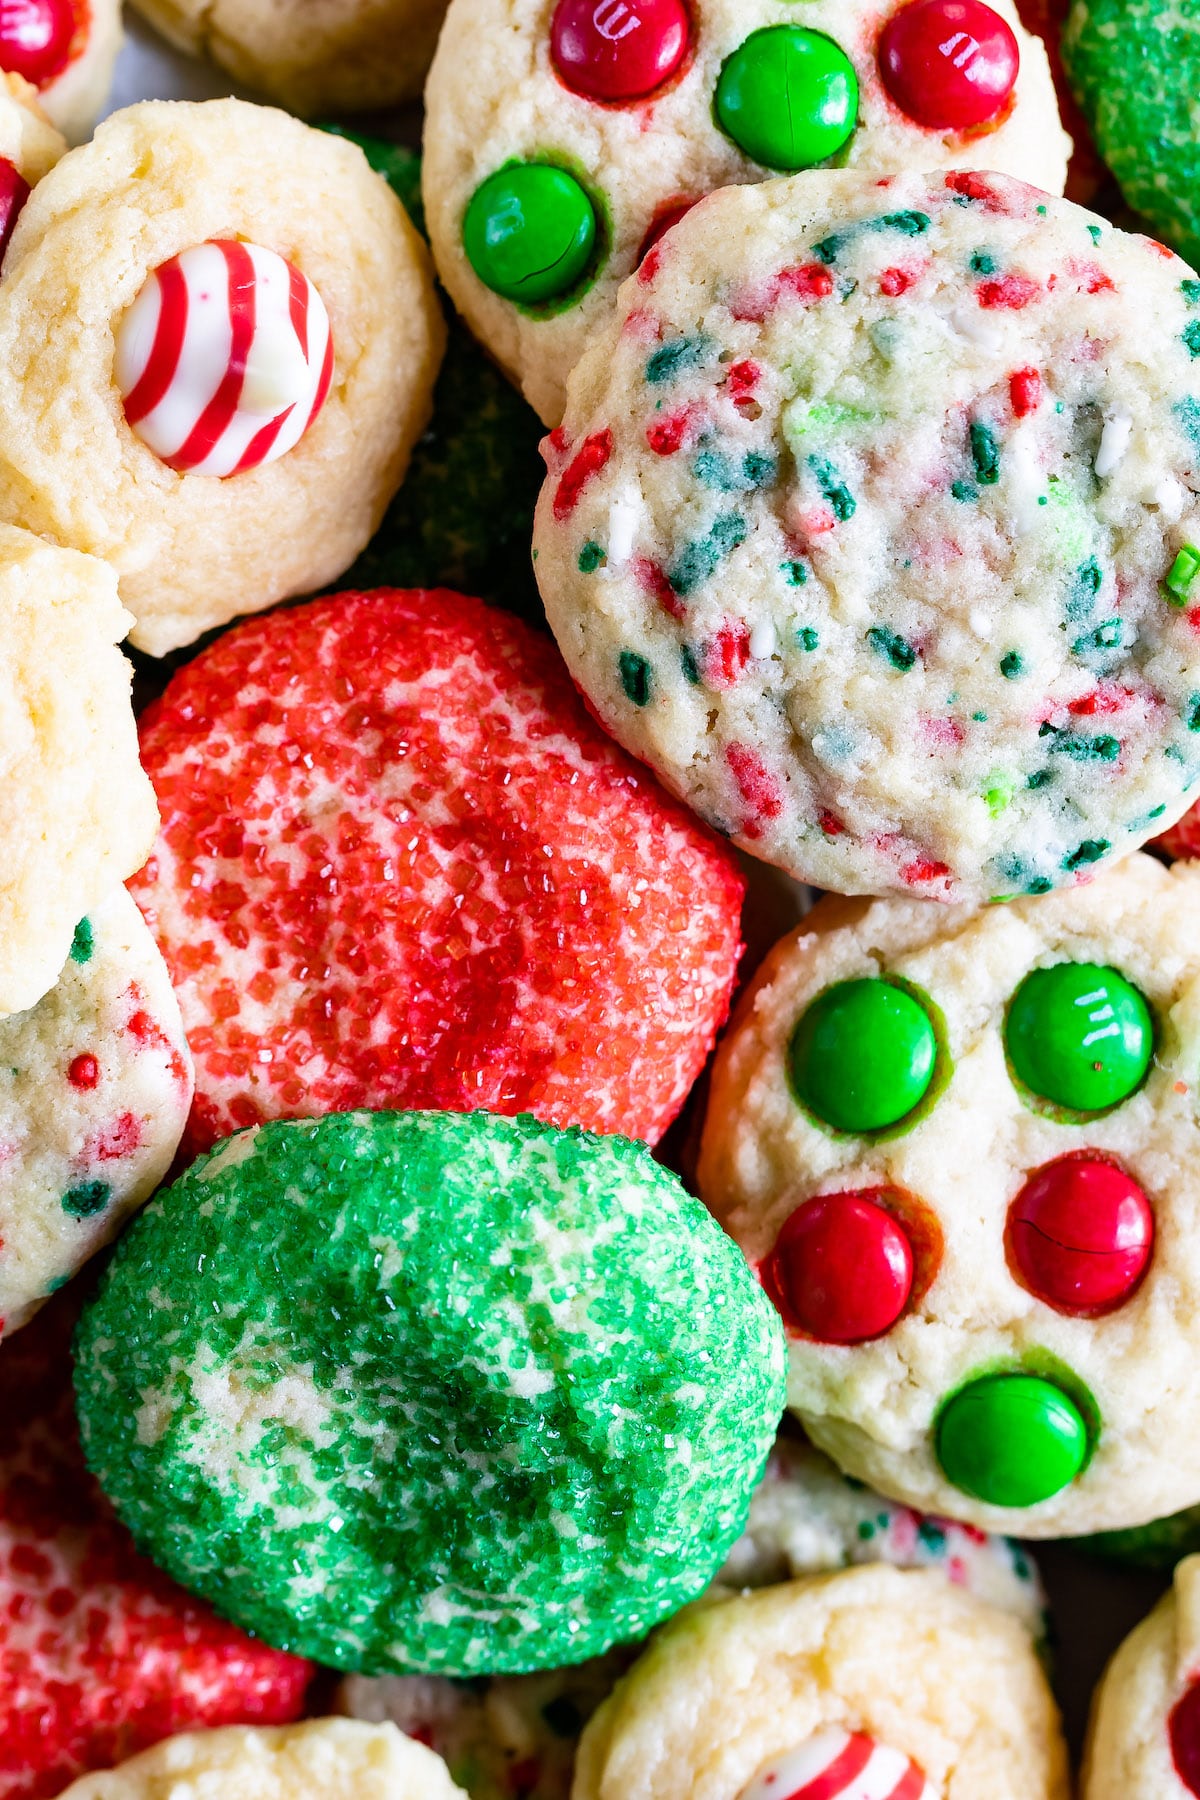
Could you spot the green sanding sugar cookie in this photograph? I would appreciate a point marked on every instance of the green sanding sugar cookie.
(1159, 1545)
(431, 1391)
(1135, 69)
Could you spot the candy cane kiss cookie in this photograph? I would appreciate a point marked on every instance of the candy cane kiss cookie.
(1144, 1733)
(870, 526)
(215, 384)
(65, 50)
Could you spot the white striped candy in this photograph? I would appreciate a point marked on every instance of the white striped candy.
(224, 359)
(839, 1765)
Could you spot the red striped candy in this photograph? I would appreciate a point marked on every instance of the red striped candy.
(224, 359)
(839, 1765)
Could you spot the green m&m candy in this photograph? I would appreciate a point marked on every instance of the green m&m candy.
(1011, 1440)
(788, 97)
(862, 1055)
(529, 232)
(1079, 1035)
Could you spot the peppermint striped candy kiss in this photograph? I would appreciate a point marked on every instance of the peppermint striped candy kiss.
(224, 359)
(839, 1765)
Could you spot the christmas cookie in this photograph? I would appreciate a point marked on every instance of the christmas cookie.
(561, 1366)
(869, 531)
(100, 1654)
(875, 1683)
(1021, 1361)
(29, 149)
(323, 1759)
(451, 890)
(63, 51)
(1144, 1735)
(95, 1084)
(562, 137)
(1160, 1544)
(520, 1732)
(77, 814)
(213, 384)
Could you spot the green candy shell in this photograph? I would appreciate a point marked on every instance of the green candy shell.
(1011, 1440)
(529, 232)
(788, 97)
(862, 1055)
(431, 1392)
(1079, 1036)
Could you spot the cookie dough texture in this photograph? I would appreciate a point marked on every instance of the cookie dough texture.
(856, 527)
(27, 138)
(310, 56)
(324, 1759)
(897, 1654)
(494, 96)
(1128, 1754)
(431, 1392)
(872, 1406)
(95, 1085)
(77, 815)
(193, 551)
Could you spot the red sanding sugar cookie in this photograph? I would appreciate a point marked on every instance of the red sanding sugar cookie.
(400, 866)
(100, 1654)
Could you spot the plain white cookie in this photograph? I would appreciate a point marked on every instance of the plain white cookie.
(872, 1406)
(193, 551)
(897, 1654)
(324, 1759)
(27, 138)
(77, 813)
(1128, 1753)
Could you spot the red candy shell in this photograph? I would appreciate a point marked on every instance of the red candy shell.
(399, 866)
(618, 49)
(1080, 1234)
(948, 64)
(1185, 1738)
(14, 192)
(842, 1268)
(35, 38)
(1181, 841)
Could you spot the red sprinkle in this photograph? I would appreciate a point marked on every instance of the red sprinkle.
(83, 1071)
(1025, 391)
(726, 655)
(652, 578)
(976, 187)
(1011, 292)
(756, 785)
(898, 281)
(588, 460)
(830, 824)
(923, 869)
(666, 436)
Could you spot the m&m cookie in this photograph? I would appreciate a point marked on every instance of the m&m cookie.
(77, 813)
(869, 526)
(323, 1759)
(400, 866)
(62, 52)
(431, 1391)
(958, 1148)
(229, 399)
(1144, 1734)
(564, 137)
(95, 1085)
(875, 1682)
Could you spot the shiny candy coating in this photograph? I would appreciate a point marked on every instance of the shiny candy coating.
(1079, 1036)
(948, 64)
(35, 38)
(788, 97)
(1011, 1439)
(1184, 1729)
(842, 1268)
(14, 192)
(613, 50)
(1080, 1235)
(836, 1764)
(863, 1054)
(530, 232)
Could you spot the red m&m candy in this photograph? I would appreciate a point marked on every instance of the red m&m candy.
(1184, 1729)
(1080, 1233)
(948, 63)
(35, 38)
(618, 49)
(842, 1268)
(14, 192)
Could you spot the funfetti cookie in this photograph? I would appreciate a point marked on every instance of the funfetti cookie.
(323, 1759)
(959, 1147)
(869, 530)
(562, 137)
(1144, 1733)
(77, 814)
(446, 889)
(431, 1392)
(876, 1682)
(65, 51)
(95, 1087)
(214, 384)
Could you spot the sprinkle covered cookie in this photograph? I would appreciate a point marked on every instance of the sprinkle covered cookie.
(428, 1391)
(1144, 1734)
(958, 1147)
(563, 137)
(869, 530)
(449, 890)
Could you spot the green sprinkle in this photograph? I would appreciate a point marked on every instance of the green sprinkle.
(1094, 232)
(1090, 851)
(1190, 291)
(833, 488)
(674, 358)
(985, 453)
(84, 942)
(912, 224)
(1191, 336)
(931, 1534)
(1041, 211)
(590, 558)
(714, 469)
(1180, 576)
(964, 490)
(998, 796)
(1079, 748)
(980, 718)
(697, 560)
(1191, 717)
(983, 263)
(827, 250)
(866, 1530)
(1107, 636)
(1041, 884)
(691, 668)
(794, 573)
(759, 470)
(86, 1200)
(635, 677)
(1042, 500)
(1187, 411)
(898, 650)
(807, 637)
(1086, 583)
(1040, 778)
(1012, 665)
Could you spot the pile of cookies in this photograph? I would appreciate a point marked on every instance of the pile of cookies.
(515, 1342)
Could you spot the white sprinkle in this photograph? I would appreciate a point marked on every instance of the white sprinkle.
(1114, 442)
(623, 517)
(1170, 497)
(970, 323)
(762, 640)
(980, 624)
